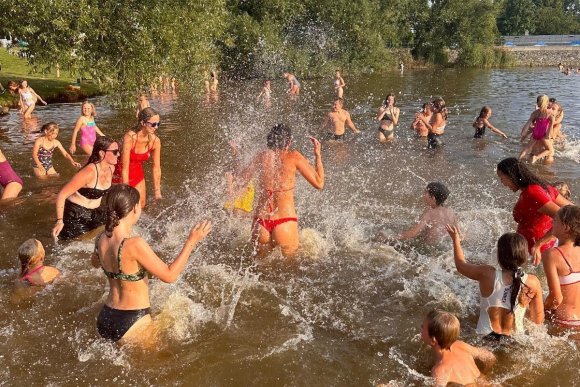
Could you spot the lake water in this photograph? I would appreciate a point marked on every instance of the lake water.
(348, 313)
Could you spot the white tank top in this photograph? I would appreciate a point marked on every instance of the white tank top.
(500, 297)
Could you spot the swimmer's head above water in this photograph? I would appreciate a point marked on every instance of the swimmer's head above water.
(101, 147)
(441, 326)
(280, 137)
(438, 191)
(121, 201)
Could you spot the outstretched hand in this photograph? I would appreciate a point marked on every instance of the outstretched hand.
(453, 232)
(200, 231)
(316, 145)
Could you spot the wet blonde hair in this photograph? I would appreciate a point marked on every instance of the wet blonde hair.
(443, 327)
(29, 252)
(543, 101)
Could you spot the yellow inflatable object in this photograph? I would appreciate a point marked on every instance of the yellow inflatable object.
(245, 201)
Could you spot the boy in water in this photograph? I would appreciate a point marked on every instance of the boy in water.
(454, 359)
(432, 223)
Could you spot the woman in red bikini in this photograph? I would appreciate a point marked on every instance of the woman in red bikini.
(275, 221)
(139, 144)
(562, 267)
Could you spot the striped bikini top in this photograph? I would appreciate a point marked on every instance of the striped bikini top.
(569, 279)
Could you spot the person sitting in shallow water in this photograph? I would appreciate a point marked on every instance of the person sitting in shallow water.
(454, 359)
(33, 272)
(431, 225)
(507, 293)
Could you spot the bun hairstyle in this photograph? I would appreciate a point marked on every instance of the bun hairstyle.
(102, 143)
(279, 137)
(145, 114)
(49, 127)
(512, 253)
(570, 217)
(519, 173)
(29, 252)
(120, 201)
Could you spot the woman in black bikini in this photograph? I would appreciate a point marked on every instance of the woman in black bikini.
(78, 202)
(388, 115)
(125, 317)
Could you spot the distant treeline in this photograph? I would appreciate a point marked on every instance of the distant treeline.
(125, 44)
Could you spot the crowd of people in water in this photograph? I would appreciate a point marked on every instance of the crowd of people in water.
(109, 192)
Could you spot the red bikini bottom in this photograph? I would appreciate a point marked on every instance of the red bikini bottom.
(270, 224)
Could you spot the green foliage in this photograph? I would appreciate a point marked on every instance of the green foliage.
(123, 45)
(480, 55)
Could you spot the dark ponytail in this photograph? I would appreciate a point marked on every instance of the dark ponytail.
(512, 253)
(120, 201)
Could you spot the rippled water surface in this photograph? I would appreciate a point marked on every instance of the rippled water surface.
(348, 311)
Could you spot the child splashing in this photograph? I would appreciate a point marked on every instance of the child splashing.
(482, 122)
(506, 292)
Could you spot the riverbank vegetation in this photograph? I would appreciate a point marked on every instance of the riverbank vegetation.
(127, 45)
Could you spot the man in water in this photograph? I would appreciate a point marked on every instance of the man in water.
(337, 119)
(275, 220)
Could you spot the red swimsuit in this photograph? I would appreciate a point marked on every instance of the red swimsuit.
(271, 224)
(136, 172)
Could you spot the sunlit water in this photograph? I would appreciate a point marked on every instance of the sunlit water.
(348, 312)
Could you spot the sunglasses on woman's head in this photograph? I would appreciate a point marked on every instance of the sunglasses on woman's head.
(115, 152)
(153, 124)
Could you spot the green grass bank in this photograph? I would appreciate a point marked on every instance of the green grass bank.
(47, 85)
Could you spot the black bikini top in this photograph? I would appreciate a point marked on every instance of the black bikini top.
(93, 193)
(120, 275)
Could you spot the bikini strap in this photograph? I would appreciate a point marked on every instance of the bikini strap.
(565, 260)
(32, 272)
(97, 180)
(119, 255)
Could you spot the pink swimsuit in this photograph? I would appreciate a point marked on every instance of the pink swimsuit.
(88, 133)
(541, 128)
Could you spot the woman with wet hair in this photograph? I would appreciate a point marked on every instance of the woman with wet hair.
(437, 123)
(562, 268)
(78, 202)
(139, 145)
(275, 220)
(507, 292)
(126, 260)
(537, 205)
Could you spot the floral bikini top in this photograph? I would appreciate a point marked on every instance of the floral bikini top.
(120, 275)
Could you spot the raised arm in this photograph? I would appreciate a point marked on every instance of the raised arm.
(396, 111)
(156, 151)
(147, 258)
(470, 270)
(315, 176)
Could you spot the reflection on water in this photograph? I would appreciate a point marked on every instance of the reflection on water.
(348, 312)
